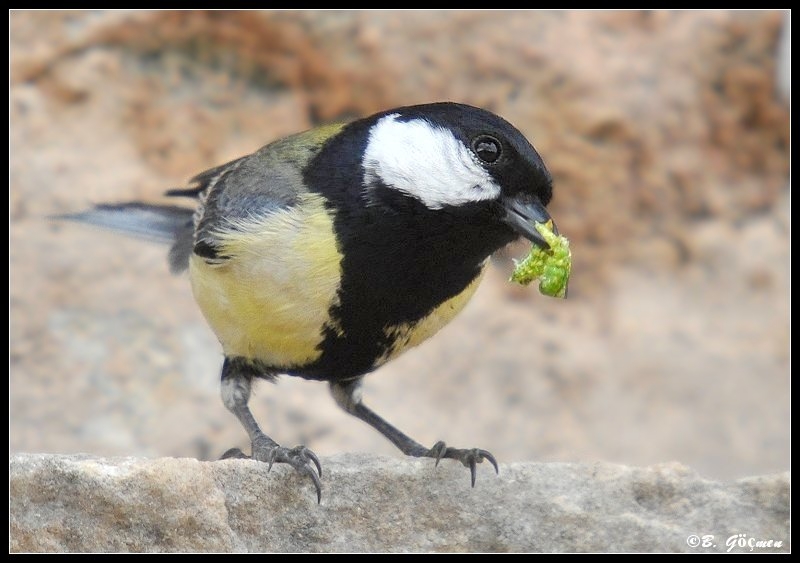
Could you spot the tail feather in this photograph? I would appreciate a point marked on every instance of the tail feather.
(168, 224)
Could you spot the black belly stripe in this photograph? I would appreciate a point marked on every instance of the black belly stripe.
(396, 269)
(400, 259)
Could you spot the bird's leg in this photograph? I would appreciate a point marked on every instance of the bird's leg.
(236, 382)
(348, 396)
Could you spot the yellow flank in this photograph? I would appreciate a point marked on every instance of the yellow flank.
(408, 335)
(269, 301)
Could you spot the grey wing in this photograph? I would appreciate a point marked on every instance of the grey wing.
(260, 183)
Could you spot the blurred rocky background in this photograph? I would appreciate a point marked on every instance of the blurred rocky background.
(668, 138)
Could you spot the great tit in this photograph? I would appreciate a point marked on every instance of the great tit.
(328, 253)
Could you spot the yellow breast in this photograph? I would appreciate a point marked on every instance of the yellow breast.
(270, 299)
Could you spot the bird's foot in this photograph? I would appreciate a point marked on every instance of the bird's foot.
(299, 457)
(469, 457)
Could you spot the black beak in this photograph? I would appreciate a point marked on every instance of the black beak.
(522, 213)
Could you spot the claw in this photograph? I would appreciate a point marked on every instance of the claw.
(438, 450)
(315, 459)
(469, 458)
(473, 470)
(317, 484)
(492, 460)
(271, 459)
(298, 457)
(477, 456)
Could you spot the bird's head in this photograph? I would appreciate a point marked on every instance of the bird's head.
(458, 159)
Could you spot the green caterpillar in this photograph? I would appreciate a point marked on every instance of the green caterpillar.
(551, 267)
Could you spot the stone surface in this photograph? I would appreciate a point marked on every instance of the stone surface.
(668, 141)
(84, 503)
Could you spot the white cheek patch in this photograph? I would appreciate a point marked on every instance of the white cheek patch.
(425, 162)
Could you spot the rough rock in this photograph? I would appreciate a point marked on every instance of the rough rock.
(83, 503)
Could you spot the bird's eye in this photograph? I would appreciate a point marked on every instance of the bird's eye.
(487, 148)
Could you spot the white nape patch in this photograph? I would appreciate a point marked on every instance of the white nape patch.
(426, 162)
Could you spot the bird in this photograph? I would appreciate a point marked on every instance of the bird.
(328, 253)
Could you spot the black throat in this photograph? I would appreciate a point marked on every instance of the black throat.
(400, 261)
